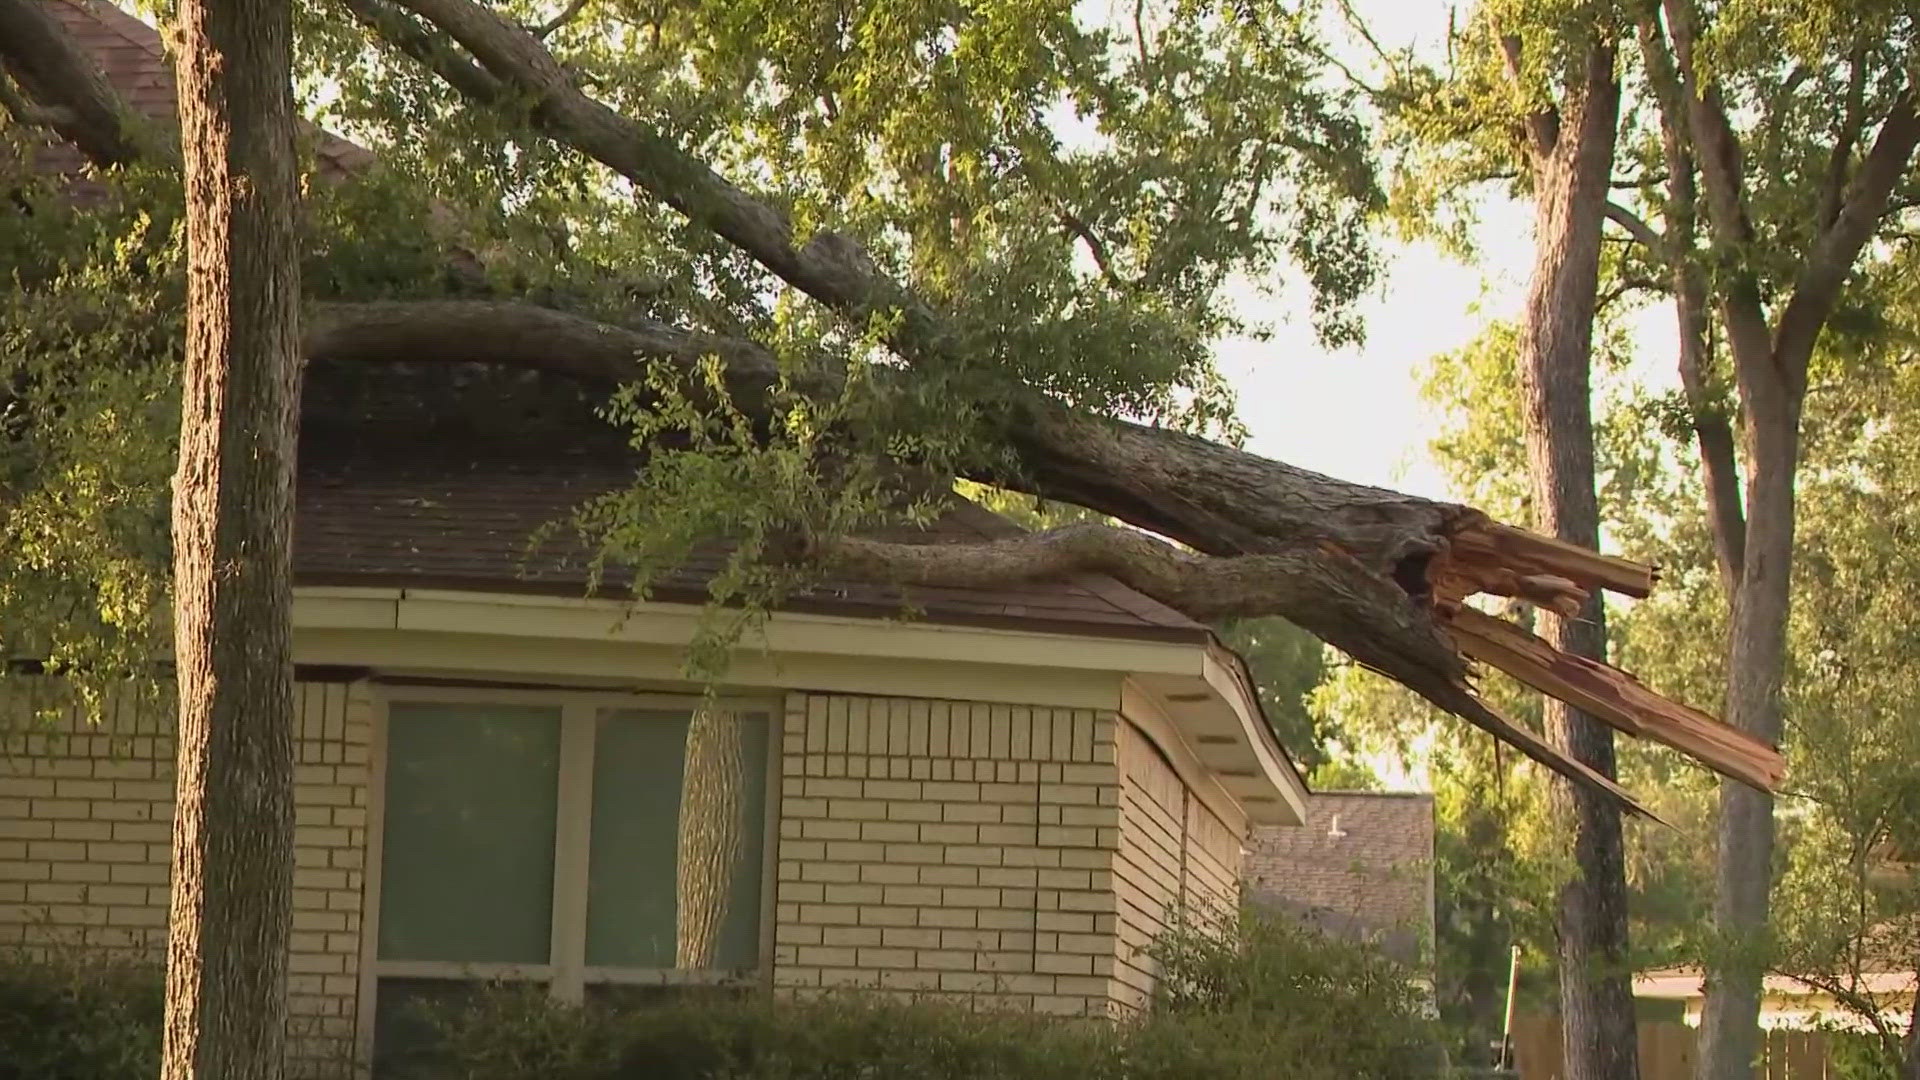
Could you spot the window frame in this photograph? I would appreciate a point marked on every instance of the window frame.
(566, 973)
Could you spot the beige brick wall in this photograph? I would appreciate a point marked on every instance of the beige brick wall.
(1006, 856)
(935, 847)
(1003, 856)
(86, 818)
(1176, 858)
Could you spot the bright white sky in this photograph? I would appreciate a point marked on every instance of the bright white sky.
(1357, 413)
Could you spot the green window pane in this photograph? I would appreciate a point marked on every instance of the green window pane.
(632, 907)
(467, 849)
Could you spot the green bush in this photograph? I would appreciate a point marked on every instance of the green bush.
(71, 1018)
(1298, 995)
(1264, 1001)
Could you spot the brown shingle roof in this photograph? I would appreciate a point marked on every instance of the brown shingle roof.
(1360, 866)
(134, 61)
(393, 493)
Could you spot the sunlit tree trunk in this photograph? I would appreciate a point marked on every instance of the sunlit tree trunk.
(711, 803)
(230, 916)
(1572, 163)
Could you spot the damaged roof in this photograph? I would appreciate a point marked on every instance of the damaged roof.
(394, 492)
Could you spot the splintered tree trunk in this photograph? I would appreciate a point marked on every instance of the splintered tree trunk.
(232, 511)
(710, 811)
(1555, 362)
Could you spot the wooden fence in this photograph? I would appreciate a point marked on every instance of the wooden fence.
(1668, 1052)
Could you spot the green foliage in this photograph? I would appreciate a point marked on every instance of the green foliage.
(70, 1018)
(1072, 195)
(1312, 996)
(89, 336)
(1235, 1005)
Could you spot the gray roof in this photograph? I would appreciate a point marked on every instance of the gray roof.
(1360, 867)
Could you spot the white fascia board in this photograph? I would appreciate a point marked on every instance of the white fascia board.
(783, 633)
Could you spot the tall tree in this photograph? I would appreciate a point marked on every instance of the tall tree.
(1569, 148)
(231, 914)
(1785, 140)
(1532, 97)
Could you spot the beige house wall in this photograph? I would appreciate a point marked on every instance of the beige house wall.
(86, 818)
(1177, 858)
(1006, 856)
(1012, 857)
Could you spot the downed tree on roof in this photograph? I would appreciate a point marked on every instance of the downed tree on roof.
(1380, 575)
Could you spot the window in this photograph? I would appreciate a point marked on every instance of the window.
(584, 843)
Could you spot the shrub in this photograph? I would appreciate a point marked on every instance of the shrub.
(1297, 995)
(79, 1018)
(1264, 1000)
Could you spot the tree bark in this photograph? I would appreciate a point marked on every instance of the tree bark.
(231, 911)
(713, 784)
(1770, 370)
(1573, 160)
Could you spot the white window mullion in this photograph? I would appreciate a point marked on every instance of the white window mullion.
(573, 833)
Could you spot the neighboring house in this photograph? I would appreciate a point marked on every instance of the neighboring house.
(1002, 799)
(1361, 867)
(1788, 1003)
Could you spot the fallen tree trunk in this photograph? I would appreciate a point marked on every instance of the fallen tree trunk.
(1378, 574)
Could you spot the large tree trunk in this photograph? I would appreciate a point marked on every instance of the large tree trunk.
(1756, 666)
(232, 514)
(1571, 174)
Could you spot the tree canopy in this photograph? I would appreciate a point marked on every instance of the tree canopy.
(828, 256)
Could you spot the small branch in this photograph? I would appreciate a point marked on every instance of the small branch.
(1817, 287)
(1541, 125)
(1712, 430)
(1865, 1007)
(1637, 228)
(1852, 123)
(431, 50)
(26, 113)
(573, 10)
(1096, 247)
(1620, 289)
(1635, 183)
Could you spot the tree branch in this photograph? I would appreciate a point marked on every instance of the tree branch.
(572, 11)
(527, 336)
(1637, 228)
(431, 50)
(1541, 125)
(72, 96)
(28, 114)
(1713, 431)
(1717, 155)
(1862, 1005)
(1817, 287)
(1834, 191)
(1334, 598)
(1212, 497)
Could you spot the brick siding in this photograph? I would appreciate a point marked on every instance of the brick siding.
(1000, 856)
(985, 853)
(1176, 859)
(86, 817)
